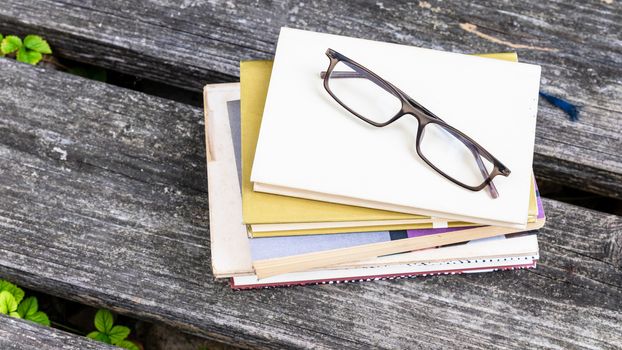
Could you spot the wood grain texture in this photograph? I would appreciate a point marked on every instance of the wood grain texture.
(193, 42)
(104, 202)
(24, 335)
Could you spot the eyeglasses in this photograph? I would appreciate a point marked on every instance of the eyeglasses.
(444, 148)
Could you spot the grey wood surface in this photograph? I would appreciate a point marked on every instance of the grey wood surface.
(193, 42)
(104, 202)
(24, 335)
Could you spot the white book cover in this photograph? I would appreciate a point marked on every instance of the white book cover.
(309, 146)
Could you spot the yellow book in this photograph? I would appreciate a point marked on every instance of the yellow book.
(275, 215)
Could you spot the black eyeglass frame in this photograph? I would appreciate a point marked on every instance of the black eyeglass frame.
(423, 116)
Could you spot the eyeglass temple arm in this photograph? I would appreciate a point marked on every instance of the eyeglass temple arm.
(482, 168)
(478, 158)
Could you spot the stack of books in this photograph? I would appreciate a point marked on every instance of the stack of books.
(302, 190)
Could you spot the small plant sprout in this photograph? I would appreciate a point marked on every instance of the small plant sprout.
(30, 50)
(12, 303)
(108, 333)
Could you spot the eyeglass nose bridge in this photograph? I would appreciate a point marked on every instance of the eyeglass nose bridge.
(422, 118)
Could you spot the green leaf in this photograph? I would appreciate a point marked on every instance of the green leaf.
(17, 292)
(36, 43)
(10, 44)
(99, 337)
(39, 317)
(28, 56)
(126, 344)
(103, 321)
(14, 314)
(8, 305)
(118, 333)
(28, 307)
(4, 307)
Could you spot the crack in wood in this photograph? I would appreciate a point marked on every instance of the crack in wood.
(472, 28)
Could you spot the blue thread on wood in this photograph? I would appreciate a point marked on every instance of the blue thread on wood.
(569, 108)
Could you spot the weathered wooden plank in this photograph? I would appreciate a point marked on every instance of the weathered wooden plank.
(104, 202)
(24, 335)
(190, 43)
